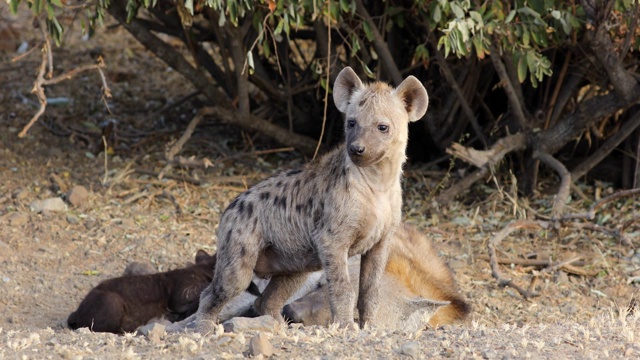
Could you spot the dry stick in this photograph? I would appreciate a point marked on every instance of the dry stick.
(177, 147)
(483, 159)
(463, 101)
(556, 90)
(41, 82)
(326, 86)
(563, 193)
(508, 87)
(496, 240)
(615, 233)
(591, 213)
(169, 176)
(380, 45)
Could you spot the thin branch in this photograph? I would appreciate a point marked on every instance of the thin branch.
(490, 157)
(177, 147)
(495, 241)
(380, 45)
(563, 192)
(591, 213)
(326, 85)
(463, 101)
(508, 87)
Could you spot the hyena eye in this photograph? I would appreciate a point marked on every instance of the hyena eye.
(383, 128)
(351, 123)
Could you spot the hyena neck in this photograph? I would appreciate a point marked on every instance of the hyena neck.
(384, 176)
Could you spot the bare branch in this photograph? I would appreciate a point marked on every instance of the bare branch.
(380, 45)
(496, 240)
(622, 80)
(482, 158)
(463, 101)
(565, 176)
(508, 87)
(589, 215)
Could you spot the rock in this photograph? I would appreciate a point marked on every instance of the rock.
(261, 323)
(15, 219)
(78, 195)
(153, 331)
(260, 345)
(139, 268)
(73, 219)
(489, 354)
(20, 194)
(411, 349)
(50, 204)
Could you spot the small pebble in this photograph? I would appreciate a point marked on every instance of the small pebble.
(260, 345)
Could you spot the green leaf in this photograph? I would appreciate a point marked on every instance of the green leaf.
(266, 49)
(56, 3)
(556, 14)
(510, 17)
(522, 69)
(526, 35)
(279, 28)
(367, 30)
(13, 6)
(50, 13)
(457, 10)
(368, 71)
(437, 14)
(477, 18)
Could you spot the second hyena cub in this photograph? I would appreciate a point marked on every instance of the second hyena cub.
(346, 203)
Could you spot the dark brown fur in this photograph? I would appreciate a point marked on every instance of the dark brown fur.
(125, 303)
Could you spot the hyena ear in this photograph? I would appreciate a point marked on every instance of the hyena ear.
(414, 96)
(346, 84)
(202, 257)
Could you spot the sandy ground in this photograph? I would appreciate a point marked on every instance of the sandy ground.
(50, 260)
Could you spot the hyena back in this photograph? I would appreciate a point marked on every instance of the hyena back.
(346, 203)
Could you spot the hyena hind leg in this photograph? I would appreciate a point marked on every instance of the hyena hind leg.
(280, 289)
(232, 276)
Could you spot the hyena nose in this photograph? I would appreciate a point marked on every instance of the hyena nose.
(356, 149)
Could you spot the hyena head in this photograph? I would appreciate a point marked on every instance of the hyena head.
(377, 116)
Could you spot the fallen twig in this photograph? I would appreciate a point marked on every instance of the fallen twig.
(496, 240)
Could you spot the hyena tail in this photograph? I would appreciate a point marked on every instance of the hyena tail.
(457, 310)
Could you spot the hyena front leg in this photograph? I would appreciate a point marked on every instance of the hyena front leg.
(277, 292)
(372, 265)
(341, 295)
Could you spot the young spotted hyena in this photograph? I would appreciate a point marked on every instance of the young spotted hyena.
(346, 203)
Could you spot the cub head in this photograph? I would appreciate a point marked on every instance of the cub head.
(377, 116)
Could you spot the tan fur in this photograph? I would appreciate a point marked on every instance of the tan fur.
(415, 264)
(414, 274)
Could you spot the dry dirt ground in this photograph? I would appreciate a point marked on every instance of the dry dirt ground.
(50, 260)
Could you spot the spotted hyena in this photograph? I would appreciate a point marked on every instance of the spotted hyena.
(346, 203)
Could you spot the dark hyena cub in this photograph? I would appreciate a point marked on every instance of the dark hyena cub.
(346, 203)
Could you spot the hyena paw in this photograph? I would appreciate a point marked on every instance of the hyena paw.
(208, 324)
(181, 326)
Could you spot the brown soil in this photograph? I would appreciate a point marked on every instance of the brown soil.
(49, 261)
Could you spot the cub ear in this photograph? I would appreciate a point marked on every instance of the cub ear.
(346, 84)
(414, 96)
(202, 257)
